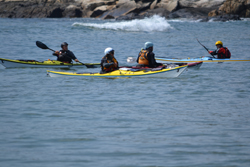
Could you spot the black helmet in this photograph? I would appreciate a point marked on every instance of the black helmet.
(63, 44)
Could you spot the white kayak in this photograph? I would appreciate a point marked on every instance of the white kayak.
(203, 59)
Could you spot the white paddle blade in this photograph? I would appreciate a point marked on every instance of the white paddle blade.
(131, 60)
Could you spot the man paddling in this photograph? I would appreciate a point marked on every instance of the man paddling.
(108, 62)
(146, 57)
(221, 52)
(65, 55)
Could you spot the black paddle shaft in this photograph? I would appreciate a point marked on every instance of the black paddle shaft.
(43, 46)
(204, 47)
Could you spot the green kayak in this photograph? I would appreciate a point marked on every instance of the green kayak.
(8, 63)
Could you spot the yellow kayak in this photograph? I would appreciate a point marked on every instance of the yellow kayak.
(170, 71)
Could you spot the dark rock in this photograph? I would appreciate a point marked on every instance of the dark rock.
(72, 11)
(144, 1)
(205, 19)
(124, 18)
(56, 13)
(130, 16)
(224, 18)
(189, 13)
(108, 17)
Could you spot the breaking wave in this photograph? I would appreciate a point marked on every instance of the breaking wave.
(154, 23)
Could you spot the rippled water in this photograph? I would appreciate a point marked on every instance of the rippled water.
(198, 119)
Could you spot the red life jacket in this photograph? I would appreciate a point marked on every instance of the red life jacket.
(224, 53)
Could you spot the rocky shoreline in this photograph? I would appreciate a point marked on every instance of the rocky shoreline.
(204, 10)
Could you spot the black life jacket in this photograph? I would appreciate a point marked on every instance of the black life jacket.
(111, 67)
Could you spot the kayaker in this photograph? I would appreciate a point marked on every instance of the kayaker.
(221, 52)
(108, 62)
(65, 55)
(146, 57)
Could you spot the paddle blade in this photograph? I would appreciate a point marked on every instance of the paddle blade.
(41, 45)
(131, 60)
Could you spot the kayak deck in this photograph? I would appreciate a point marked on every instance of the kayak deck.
(8, 63)
(170, 72)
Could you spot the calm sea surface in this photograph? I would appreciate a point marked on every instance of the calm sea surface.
(200, 119)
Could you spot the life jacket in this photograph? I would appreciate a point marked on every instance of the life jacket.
(111, 67)
(143, 57)
(64, 57)
(224, 53)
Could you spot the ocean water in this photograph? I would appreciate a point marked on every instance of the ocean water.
(200, 119)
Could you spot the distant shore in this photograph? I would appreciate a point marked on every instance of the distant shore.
(204, 10)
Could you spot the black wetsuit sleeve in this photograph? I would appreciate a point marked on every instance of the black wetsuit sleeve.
(151, 59)
(107, 64)
(104, 63)
(54, 54)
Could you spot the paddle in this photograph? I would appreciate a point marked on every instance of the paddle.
(204, 47)
(131, 60)
(43, 46)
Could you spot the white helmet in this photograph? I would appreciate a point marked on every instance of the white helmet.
(108, 50)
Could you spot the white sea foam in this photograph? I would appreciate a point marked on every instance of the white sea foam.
(154, 23)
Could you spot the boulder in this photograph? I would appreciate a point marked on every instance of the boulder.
(200, 3)
(72, 11)
(213, 13)
(99, 11)
(170, 5)
(237, 7)
(154, 4)
(130, 9)
(121, 8)
(93, 5)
